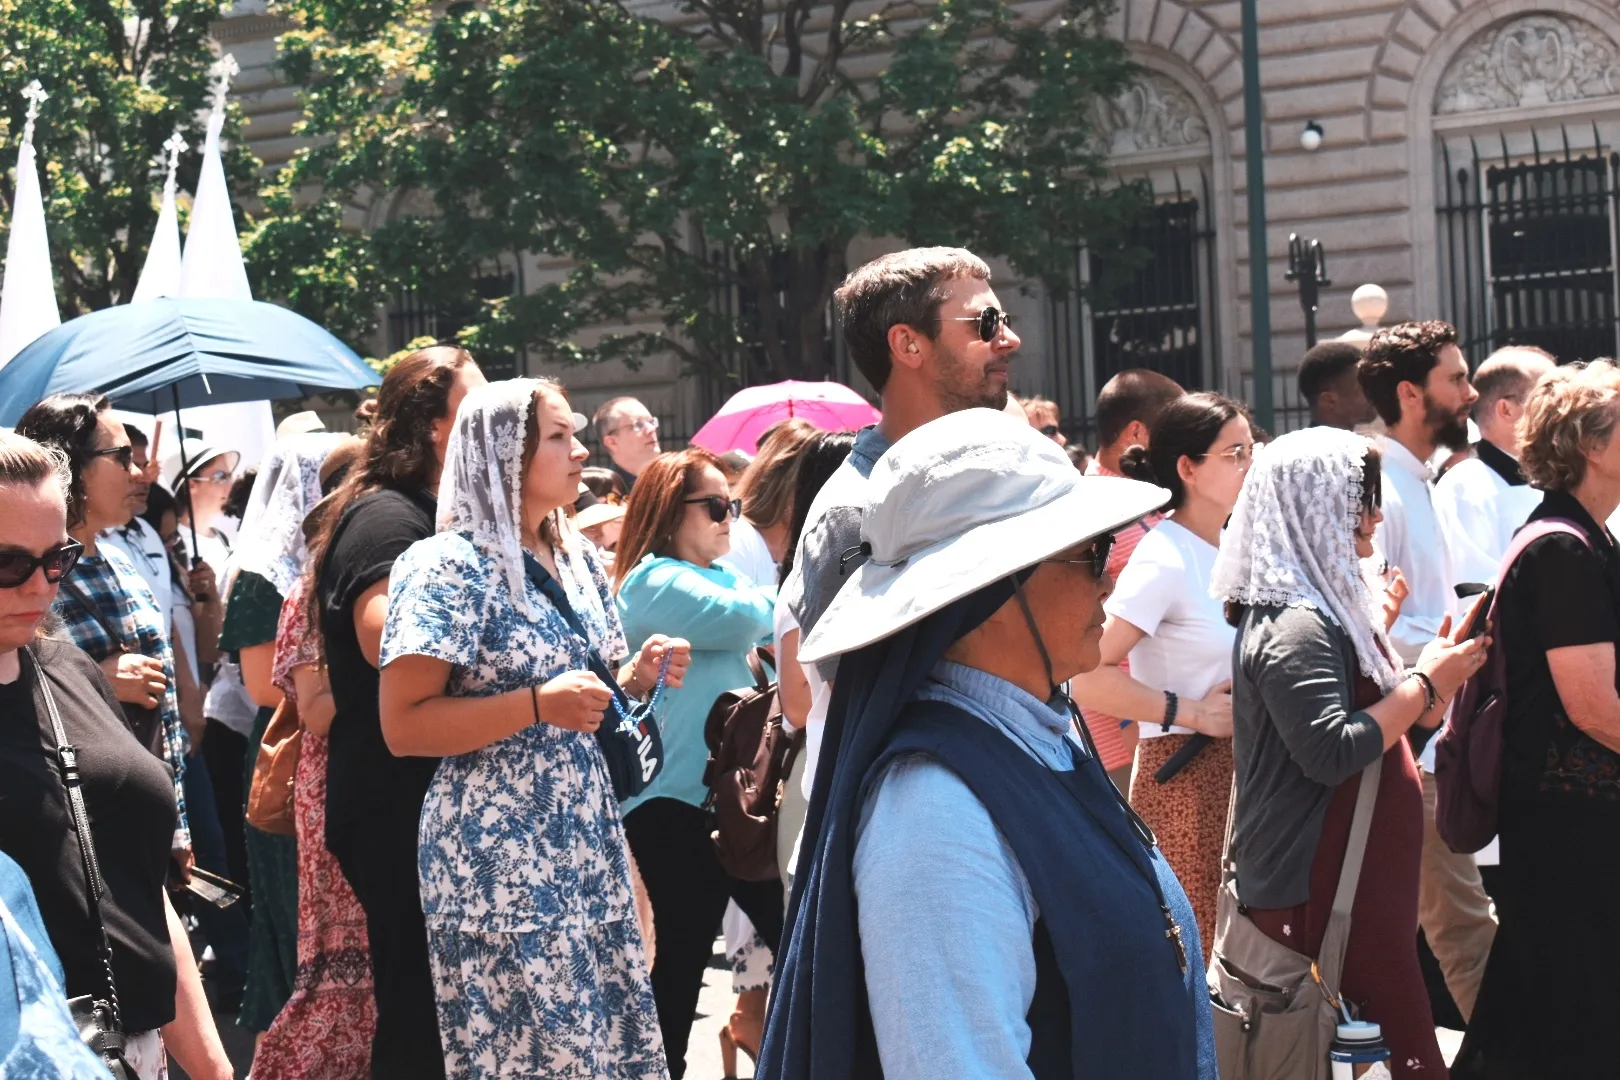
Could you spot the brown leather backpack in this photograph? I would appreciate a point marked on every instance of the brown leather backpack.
(270, 795)
(750, 756)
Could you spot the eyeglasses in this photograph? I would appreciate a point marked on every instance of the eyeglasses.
(218, 476)
(125, 455)
(720, 508)
(990, 321)
(1049, 430)
(1242, 456)
(646, 425)
(1095, 560)
(16, 567)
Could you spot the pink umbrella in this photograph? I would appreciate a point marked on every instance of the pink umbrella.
(741, 421)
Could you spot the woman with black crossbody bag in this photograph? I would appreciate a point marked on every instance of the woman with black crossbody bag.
(71, 771)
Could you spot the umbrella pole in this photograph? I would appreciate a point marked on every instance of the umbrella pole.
(185, 474)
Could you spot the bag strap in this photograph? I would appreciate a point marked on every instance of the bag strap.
(1355, 851)
(67, 756)
(756, 667)
(1528, 535)
(1228, 859)
(553, 591)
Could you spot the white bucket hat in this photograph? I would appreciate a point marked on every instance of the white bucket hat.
(959, 503)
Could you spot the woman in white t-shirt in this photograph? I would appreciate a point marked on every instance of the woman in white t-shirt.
(1162, 617)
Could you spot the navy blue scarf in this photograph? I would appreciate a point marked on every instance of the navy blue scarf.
(820, 986)
(819, 1023)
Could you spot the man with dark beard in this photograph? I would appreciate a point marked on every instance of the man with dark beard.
(1416, 377)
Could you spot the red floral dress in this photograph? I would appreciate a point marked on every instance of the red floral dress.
(324, 1032)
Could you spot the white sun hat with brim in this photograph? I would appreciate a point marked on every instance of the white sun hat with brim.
(191, 456)
(599, 513)
(958, 504)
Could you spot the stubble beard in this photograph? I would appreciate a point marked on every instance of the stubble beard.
(960, 388)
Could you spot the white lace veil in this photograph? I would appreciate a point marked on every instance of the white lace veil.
(1291, 540)
(481, 492)
(271, 540)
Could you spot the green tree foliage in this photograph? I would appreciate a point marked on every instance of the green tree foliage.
(701, 169)
(122, 75)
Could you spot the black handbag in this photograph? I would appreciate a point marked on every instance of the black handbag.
(97, 1018)
(632, 746)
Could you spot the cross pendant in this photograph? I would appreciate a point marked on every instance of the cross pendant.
(1173, 932)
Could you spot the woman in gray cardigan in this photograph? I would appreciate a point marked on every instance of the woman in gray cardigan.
(1317, 696)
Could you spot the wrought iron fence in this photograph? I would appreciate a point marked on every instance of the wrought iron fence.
(1528, 249)
(1159, 314)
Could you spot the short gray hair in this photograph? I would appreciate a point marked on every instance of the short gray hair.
(902, 289)
(1507, 374)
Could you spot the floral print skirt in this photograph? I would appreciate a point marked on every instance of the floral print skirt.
(1189, 817)
(324, 1031)
(566, 1002)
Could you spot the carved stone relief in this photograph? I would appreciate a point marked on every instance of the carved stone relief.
(1155, 113)
(1532, 60)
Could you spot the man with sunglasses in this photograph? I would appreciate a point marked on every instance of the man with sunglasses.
(927, 331)
(628, 433)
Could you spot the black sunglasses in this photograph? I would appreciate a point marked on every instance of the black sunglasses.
(16, 567)
(1049, 430)
(990, 321)
(1095, 560)
(125, 455)
(720, 508)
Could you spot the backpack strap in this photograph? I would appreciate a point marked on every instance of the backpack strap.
(757, 661)
(1528, 535)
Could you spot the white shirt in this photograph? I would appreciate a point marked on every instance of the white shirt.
(750, 555)
(1164, 592)
(1411, 539)
(144, 548)
(820, 695)
(1479, 511)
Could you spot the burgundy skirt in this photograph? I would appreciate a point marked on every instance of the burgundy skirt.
(1382, 979)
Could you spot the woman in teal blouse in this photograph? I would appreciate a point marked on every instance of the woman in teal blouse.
(671, 578)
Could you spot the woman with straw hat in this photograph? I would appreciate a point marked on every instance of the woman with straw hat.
(977, 899)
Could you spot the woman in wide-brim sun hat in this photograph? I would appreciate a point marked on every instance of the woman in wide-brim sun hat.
(972, 864)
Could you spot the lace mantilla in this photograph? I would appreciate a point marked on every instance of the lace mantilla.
(481, 493)
(271, 541)
(1291, 540)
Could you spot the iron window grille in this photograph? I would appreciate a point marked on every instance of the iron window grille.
(1528, 250)
(1158, 314)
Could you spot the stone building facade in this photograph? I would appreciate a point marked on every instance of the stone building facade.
(1467, 164)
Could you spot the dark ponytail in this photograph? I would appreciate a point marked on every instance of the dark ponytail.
(1137, 464)
(1185, 427)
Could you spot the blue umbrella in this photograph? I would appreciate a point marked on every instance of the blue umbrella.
(168, 354)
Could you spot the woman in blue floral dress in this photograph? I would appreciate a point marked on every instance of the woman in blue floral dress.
(539, 965)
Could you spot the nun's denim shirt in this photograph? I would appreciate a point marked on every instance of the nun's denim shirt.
(950, 971)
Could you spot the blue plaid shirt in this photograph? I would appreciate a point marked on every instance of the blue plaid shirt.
(125, 604)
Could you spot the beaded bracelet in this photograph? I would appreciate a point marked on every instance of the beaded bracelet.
(1431, 696)
(1172, 704)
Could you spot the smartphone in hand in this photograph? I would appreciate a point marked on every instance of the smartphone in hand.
(1475, 622)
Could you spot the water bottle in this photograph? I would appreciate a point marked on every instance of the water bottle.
(1359, 1053)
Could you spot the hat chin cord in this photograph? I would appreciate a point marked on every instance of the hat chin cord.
(1140, 827)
